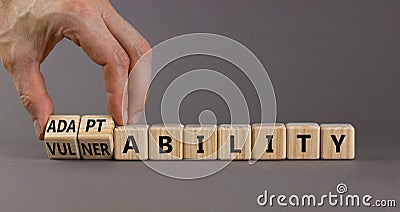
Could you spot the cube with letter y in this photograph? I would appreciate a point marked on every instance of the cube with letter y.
(61, 137)
(166, 142)
(96, 137)
(337, 141)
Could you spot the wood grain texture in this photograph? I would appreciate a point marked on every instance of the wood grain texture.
(234, 142)
(296, 133)
(96, 137)
(268, 141)
(131, 142)
(344, 137)
(171, 138)
(207, 134)
(61, 137)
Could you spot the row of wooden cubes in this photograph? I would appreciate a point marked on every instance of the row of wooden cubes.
(96, 137)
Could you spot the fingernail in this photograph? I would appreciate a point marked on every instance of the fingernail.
(125, 116)
(38, 129)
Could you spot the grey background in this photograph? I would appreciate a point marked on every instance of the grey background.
(329, 61)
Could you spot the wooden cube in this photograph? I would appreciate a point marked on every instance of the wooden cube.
(337, 141)
(61, 137)
(200, 142)
(166, 142)
(303, 140)
(234, 142)
(131, 142)
(96, 137)
(268, 141)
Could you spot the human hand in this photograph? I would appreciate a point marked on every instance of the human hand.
(29, 30)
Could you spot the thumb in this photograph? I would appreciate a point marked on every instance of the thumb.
(31, 88)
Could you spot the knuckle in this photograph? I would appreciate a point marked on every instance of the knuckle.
(142, 47)
(80, 8)
(122, 58)
(141, 107)
(33, 102)
(27, 101)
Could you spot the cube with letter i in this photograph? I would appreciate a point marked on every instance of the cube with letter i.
(268, 141)
(200, 142)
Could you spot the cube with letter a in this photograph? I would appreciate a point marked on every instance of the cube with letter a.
(131, 142)
(61, 137)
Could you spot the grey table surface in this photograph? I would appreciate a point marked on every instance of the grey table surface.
(329, 61)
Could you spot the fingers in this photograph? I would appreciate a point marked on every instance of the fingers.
(129, 38)
(32, 91)
(137, 48)
(101, 46)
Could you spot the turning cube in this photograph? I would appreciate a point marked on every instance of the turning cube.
(166, 142)
(268, 141)
(234, 142)
(131, 142)
(337, 141)
(303, 140)
(200, 142)
(61, 137)
(96, 137)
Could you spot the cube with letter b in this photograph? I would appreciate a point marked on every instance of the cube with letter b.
(166, 142)
(96, 137)
(61, 137)
(131, 142)
(337, 141)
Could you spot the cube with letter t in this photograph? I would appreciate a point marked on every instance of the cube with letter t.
(96, 137)
(303, 141)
